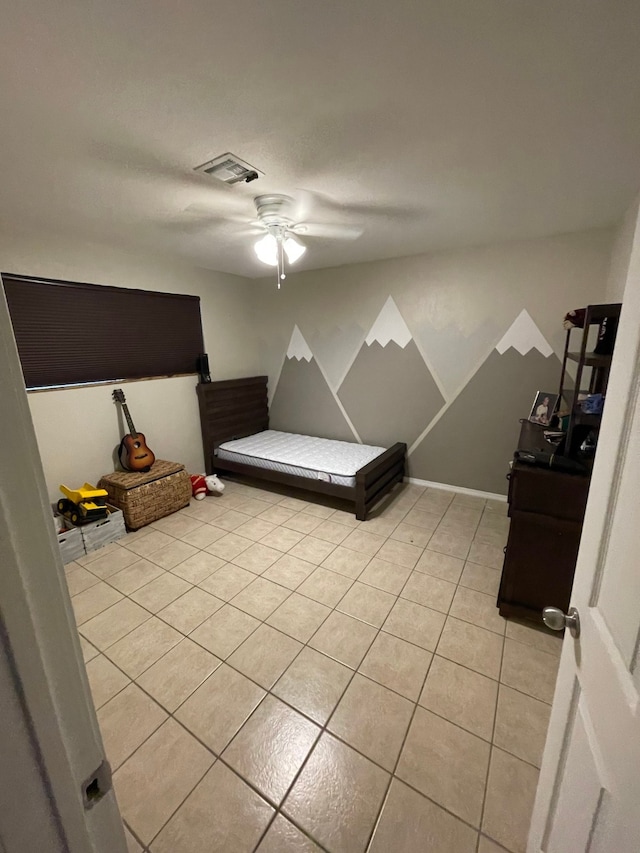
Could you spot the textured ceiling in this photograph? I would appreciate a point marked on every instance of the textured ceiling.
(430, 123)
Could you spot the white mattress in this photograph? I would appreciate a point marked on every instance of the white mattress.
(301, 455)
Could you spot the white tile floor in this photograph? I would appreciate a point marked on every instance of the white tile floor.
(272, 675)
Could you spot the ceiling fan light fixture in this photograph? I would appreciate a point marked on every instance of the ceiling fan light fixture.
(266, 248)
(294, 249)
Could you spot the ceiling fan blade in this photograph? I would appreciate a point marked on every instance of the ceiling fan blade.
(210, 224)
(309, 204)
(213, 212)
(194, 227)
(305, 204)
(330, 232)
(312, 205)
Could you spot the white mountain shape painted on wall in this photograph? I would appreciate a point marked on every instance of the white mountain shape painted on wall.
(298, 347)
(389, 326)
(523, 335)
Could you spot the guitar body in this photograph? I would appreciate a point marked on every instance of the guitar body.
(133, 451)
(134, 454)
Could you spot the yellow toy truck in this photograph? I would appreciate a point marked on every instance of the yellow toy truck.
(84, 504)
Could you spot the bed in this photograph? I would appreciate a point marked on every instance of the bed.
(234, 417)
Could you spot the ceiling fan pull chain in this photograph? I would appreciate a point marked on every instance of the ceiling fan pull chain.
(280, 258)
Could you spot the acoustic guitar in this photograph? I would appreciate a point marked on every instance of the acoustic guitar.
(133, 452)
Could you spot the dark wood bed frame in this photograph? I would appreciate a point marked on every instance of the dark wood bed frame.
(235, 408)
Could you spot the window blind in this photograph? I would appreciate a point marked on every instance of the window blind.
(69, 333)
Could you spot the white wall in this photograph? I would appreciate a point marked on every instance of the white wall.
(78, 429)
(621, 254)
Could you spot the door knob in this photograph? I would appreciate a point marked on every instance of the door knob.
(555, 619)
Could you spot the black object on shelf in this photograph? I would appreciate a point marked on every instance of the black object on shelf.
(544, 459)
(203, 367)
(599, 363)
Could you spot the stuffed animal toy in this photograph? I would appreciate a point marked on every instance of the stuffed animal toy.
(574, 319)
(606, 332)
(198, 487)
(215, 486)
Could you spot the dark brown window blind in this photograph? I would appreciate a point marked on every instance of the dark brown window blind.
(70, 333)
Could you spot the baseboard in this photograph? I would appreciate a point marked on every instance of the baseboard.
(447, 488)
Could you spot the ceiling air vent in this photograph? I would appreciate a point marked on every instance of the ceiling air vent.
(229, 169)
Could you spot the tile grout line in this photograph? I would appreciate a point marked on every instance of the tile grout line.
(325, 728)
(263, 621)
(392, 775)
(218, 757)
(493, 734)
(269, 691)
(415, 708)
(334, 608)
(322, 730)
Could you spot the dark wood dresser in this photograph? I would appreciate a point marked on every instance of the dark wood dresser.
(546, 508)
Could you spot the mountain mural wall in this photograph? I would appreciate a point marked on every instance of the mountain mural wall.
(303, 402)
(454, 354)
(450, 362)
(389, 392)
(335, 348)
(471, 444)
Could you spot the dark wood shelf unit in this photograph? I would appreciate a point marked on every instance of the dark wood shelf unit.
(546, 504)
(585, 418)
(600, 365)
(591, 359)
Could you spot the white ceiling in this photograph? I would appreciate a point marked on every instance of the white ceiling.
(432, 123)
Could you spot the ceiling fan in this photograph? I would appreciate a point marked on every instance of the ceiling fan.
(281, 217)
(279, 223)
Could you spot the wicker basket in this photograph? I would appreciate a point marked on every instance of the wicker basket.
(144, 498)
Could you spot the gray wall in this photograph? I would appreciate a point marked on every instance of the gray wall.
(435, 378)
(389, 393)
(303, 403)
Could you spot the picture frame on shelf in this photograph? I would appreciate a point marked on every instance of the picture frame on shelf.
(544, 405)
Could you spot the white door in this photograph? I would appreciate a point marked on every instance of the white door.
(50, 743)
(589, 789)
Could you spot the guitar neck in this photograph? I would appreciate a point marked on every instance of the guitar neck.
(132, 429)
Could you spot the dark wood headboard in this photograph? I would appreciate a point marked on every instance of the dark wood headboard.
(232, 408)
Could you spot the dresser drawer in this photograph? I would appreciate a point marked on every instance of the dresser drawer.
(539, 563)
(551, 493)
